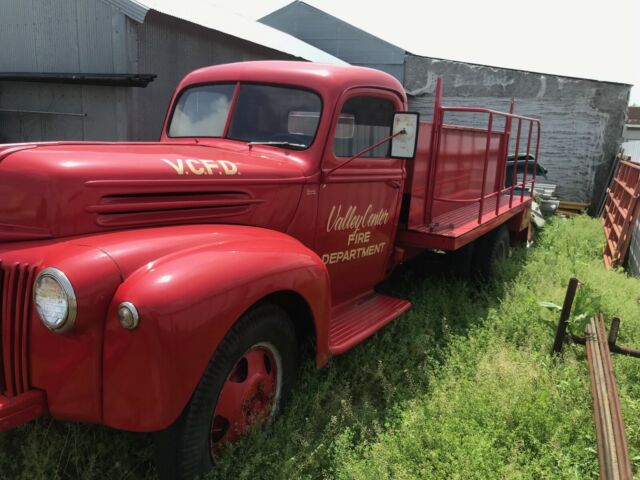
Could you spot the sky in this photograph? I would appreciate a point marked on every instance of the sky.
(587, 39)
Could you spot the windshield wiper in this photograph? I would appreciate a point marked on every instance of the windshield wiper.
(296, 146)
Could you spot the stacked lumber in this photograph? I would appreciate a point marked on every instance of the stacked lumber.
(570, 209)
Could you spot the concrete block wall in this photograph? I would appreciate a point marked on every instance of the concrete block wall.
(582, 120)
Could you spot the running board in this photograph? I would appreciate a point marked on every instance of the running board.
(353, 322)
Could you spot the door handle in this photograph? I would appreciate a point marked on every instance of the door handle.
(394, 183)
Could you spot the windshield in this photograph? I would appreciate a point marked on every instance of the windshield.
(202, 111)
(276, 115)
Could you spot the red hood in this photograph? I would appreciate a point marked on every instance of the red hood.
(62, 189)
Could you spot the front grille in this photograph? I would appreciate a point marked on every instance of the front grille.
(16, 282)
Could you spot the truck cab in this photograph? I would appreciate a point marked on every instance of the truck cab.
(192, 269)
(312, 118)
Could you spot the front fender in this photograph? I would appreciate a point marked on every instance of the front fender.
(68, 367)
(187, 301)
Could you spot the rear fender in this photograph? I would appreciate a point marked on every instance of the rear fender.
(187, 302)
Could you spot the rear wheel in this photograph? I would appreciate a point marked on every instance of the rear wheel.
(462, 261)
(246, 382)
(491, 250)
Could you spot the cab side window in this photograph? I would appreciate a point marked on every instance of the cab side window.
(363, 121)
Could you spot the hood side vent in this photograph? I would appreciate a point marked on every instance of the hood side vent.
(127, 210)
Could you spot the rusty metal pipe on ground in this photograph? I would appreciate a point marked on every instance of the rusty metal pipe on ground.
(613, 450)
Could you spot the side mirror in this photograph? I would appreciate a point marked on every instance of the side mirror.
(405, 144)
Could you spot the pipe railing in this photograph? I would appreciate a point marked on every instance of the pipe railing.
(503, 153)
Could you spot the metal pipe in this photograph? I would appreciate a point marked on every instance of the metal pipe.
(471, 200)
(487, 110)
(597, 414)
(624, 351)
(101, 79)
(484, 168)
(43, 112)
(535, 161)
(613, 450)
(361, 152)
(435, 150)
(526, 162)
(514, 175)
(505, 153)
(605, 410)
(622, 449)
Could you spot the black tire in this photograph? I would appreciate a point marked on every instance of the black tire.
(491, 250)
(183, 450)
(462, 261)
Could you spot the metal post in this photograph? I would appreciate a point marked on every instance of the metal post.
(514, 175)
(484, 169)
(561, 333)
(435, 147)
(535, 165)
(613, 332)
(526, 161)
(503, 161)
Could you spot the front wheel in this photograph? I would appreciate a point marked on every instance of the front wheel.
(247, 380)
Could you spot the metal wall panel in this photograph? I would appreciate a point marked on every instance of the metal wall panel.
(17, 36)
(171, 48)
(65, 36)
(95, 50)
(55, 26)
(338, 38)
(633, 261)
(632, 149)
(95, 36)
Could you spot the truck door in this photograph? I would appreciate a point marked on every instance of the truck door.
(359, 202)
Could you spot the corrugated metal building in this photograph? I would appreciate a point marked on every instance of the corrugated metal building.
(338, 38)
(631, 148)
(582, 119)
(633, 260)
(72, 40)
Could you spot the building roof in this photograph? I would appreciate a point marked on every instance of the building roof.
(423, 30)
(209, 15)
(339, 38)
(633, 117)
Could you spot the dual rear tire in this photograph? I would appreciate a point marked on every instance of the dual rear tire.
(480, 259)
(491, 250)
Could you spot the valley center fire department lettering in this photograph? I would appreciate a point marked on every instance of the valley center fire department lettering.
(359, 240)
(352, 220)
(191, 166)
(353, 254)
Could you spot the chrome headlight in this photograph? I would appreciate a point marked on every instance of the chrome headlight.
(55, 300)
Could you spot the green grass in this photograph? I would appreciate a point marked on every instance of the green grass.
(460, 387)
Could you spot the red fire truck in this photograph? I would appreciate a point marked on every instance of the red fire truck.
(168, 286)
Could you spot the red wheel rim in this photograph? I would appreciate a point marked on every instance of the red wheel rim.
(248, 396)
